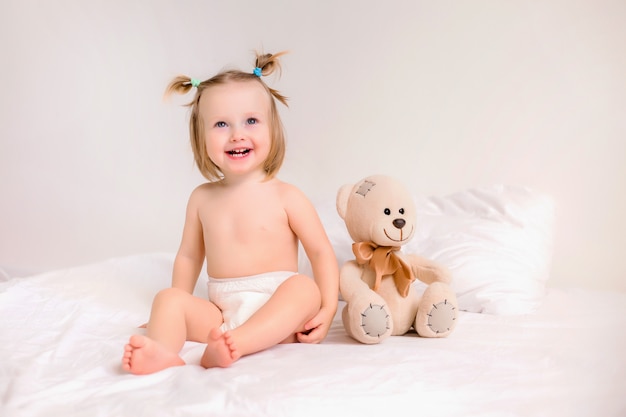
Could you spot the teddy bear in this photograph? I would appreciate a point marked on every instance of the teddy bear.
(380, 216)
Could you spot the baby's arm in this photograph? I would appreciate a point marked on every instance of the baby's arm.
(308, 228)
(190, 256)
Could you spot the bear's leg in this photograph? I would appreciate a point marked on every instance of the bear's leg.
(367, 321)
(437, 311)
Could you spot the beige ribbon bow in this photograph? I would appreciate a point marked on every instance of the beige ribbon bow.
(384, 261)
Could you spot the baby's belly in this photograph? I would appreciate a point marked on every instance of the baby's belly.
(241, 262)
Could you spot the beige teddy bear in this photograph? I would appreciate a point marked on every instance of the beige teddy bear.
(380, 216)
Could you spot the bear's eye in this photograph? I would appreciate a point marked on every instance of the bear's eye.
(387, 211)
(401, 211)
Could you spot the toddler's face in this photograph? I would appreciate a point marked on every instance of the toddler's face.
(236, 119)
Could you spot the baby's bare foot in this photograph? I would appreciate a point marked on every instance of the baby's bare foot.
(143, 355)
(220, 350)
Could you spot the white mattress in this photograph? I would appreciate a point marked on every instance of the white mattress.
(62, 335)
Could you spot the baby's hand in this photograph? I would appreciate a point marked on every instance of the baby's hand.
(317, 327)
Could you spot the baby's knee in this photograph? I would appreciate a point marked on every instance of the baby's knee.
(308, 288)
(169, 295)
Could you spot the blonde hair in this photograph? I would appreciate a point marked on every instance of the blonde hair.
(265, 64)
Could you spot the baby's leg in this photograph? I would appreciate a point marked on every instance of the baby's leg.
(293, 303)
(176, 316)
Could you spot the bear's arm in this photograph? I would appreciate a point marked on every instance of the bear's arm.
(351, 280)
(428, 271)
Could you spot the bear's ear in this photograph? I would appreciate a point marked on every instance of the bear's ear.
(342, 199)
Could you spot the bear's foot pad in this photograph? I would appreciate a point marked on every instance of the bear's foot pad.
(375, 320)
(441, 318)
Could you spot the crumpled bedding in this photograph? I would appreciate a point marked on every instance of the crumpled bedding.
(62, 335)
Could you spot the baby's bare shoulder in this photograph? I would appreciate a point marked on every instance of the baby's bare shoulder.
(207, 188)
(289, 190)
(201, 194)
(294, 199)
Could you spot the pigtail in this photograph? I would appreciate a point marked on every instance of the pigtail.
(268, 64)
(179, 85)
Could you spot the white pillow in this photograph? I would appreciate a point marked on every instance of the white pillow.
(496, 241)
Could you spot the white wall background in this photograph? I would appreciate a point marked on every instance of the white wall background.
(444, 94)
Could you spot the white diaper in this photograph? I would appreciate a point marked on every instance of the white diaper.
(240, 298)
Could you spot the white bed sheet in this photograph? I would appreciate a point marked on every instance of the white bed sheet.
(62, 335)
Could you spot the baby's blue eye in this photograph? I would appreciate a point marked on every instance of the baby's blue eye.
(220, 124)
(252, 121)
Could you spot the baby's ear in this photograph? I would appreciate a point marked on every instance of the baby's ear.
(342, 199)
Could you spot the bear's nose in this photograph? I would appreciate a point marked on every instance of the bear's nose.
(399, 223)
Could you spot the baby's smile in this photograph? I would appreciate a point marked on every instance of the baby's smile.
(239, 153)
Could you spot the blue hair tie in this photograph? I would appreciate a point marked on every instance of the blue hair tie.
(258, 72)
(195, 83)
